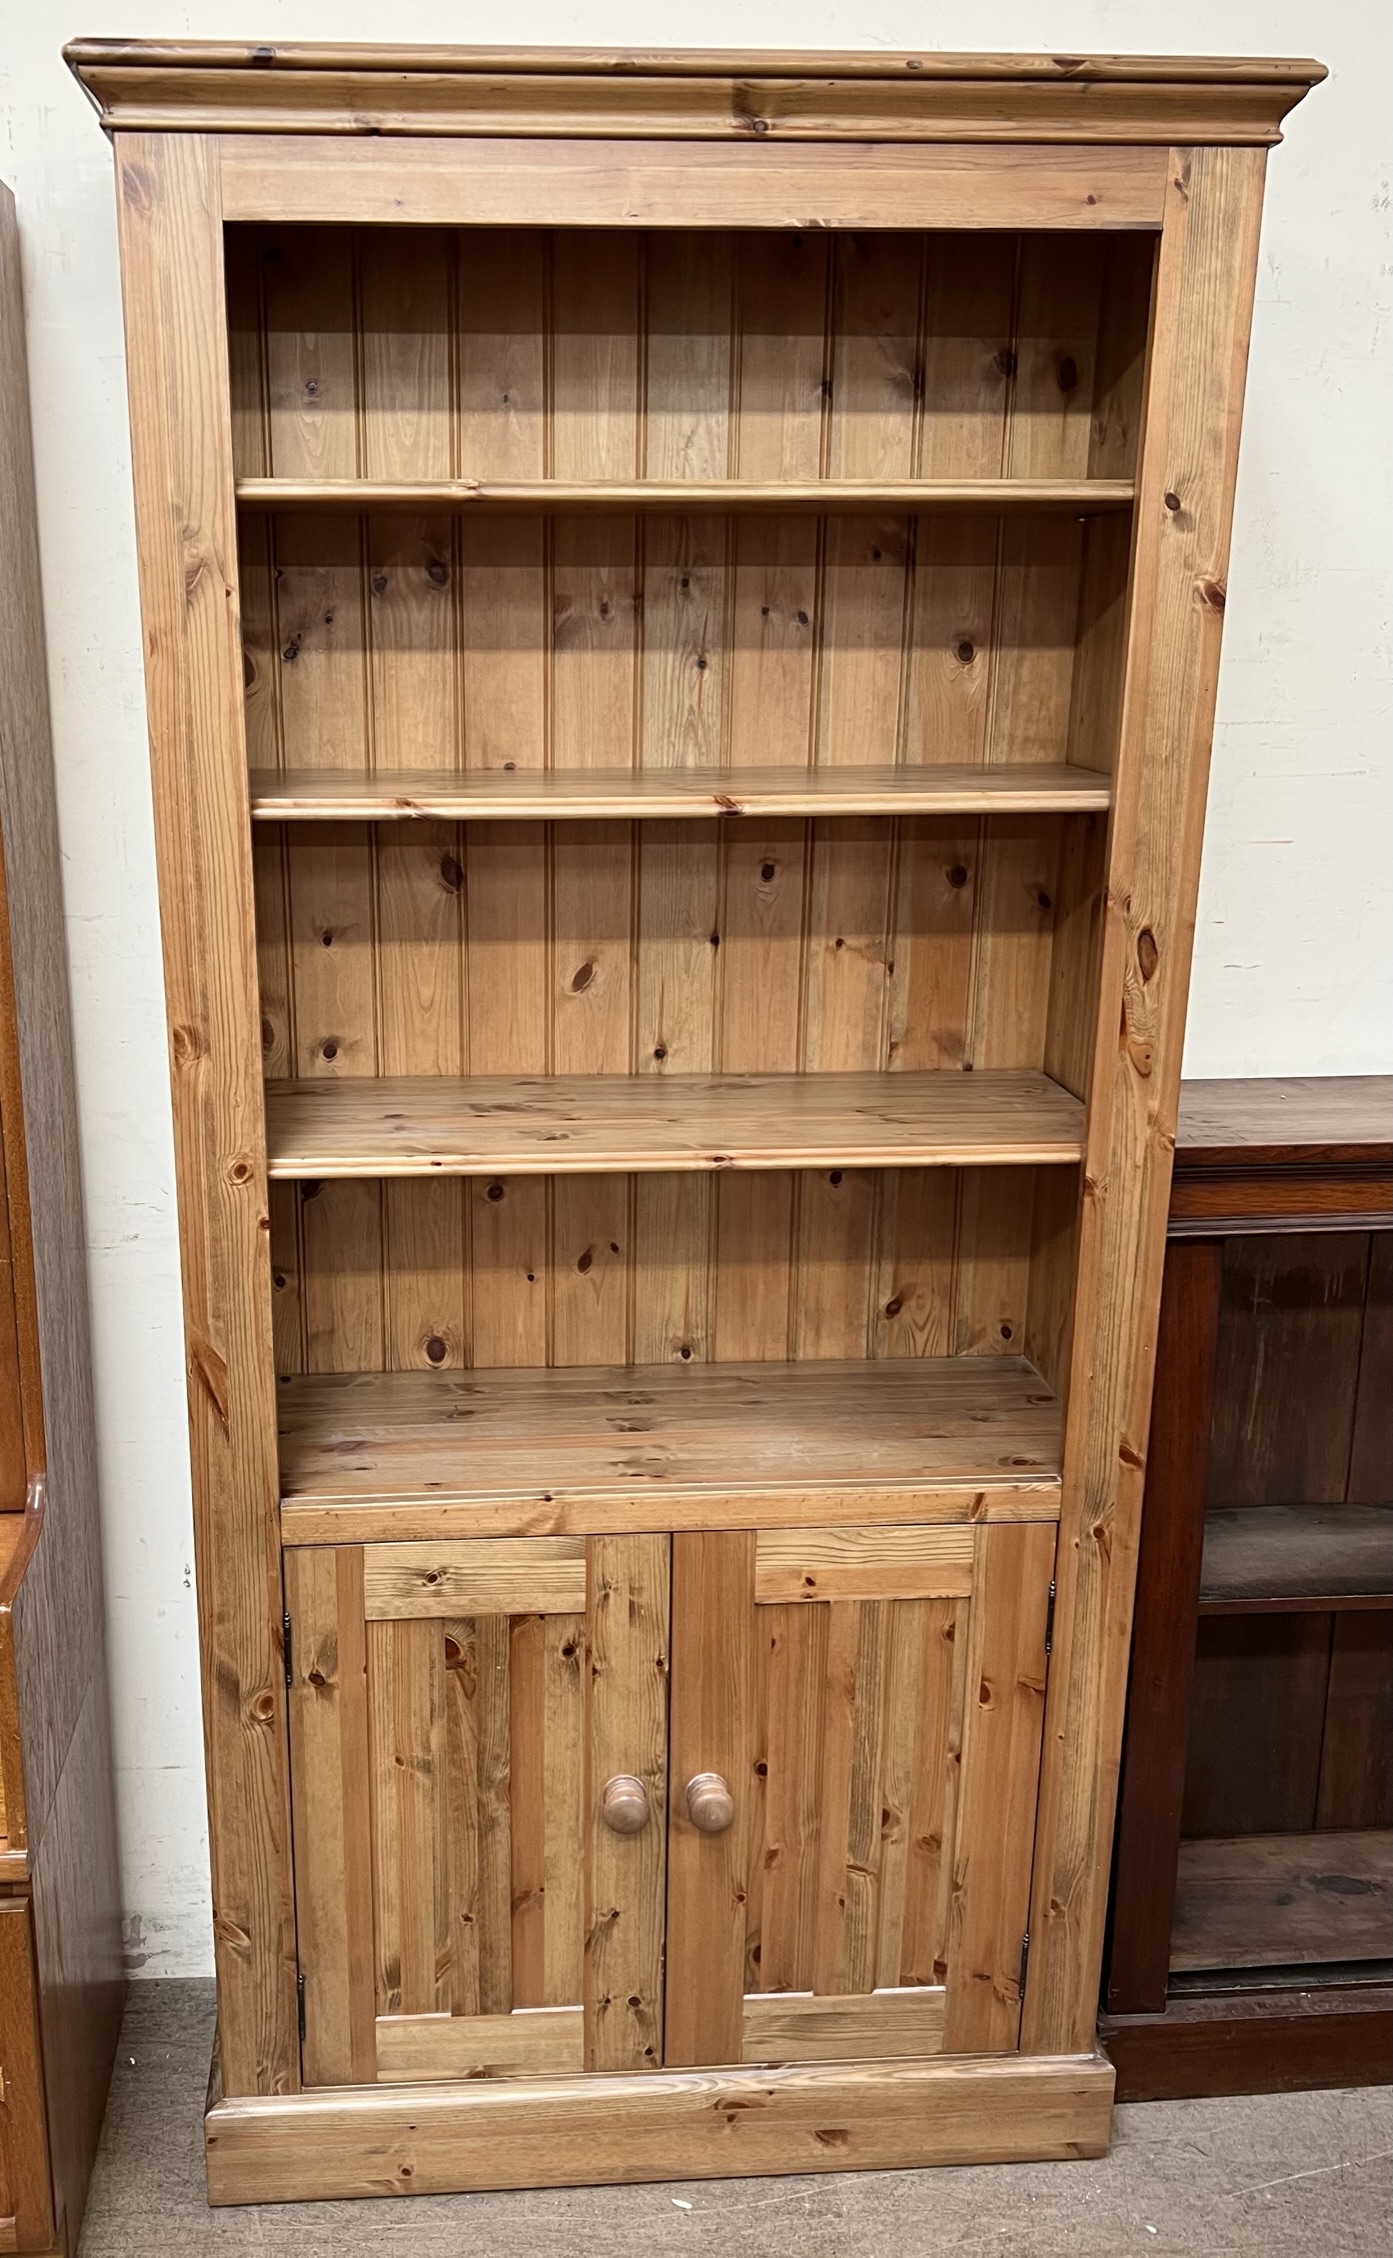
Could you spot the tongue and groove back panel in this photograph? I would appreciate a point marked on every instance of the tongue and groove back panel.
(400, 641)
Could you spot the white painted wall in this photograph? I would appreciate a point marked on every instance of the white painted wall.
(1293, 966)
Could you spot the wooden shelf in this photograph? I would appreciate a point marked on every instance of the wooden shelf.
(395, 1442)
(1278, 1901)
(1291, 1558)
(317, 795)
(1080, 495)
(576, 1125)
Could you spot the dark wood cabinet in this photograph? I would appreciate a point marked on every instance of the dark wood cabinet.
(1250, 1928)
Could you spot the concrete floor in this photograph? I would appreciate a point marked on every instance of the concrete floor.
(1278, 2174)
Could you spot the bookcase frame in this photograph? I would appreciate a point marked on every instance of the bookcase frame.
(1165, 154)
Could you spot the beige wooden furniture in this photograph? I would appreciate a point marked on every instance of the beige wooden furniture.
(60, 1935)
(682, 598)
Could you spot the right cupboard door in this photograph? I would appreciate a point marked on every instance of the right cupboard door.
(856, 1717)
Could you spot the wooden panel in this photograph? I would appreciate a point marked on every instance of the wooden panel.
(530, 2042)
(800, 2027)
(570, 1125)
(1152, 1785)
(26, 2205)
(703, 2124)
(478, 1576)
(329, 1768)
(55, 1750)
(1000, 1768)
(849, 1563)
(663, 1428)
(310, 795)
(649, 184)
(856, 1865)
(1276, 1554)
(1202, 314)
(782, 495)
(1256, 1719)
(627, 1729)
(1268, 2040)
(1281, 1900)
(1292, 1306)
(1316, 1119)
(1371, 1448)
(712, 1730)
(1356, 1758)
(171, 250)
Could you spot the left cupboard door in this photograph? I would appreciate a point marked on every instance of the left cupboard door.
(478, 1748)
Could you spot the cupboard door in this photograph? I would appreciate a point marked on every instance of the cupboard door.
(864, 1708)
(478, 1778)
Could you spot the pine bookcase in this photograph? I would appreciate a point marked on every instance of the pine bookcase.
(682, 599)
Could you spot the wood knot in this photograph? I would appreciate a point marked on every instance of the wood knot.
(186, 1045)
(1148, 955)
(1212, 594)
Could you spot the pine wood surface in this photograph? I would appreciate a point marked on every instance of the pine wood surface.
(782, 496)
(549, 2132)
(454, 1714)
(677, 185)
(574, 1125)
(904, 2022)
(176, 345)
(1204, 291)
(448, 1438)
(201, 85)
(822, 1081)
(1282, 1900)
(570, 795)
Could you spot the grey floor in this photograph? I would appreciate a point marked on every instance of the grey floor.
(1277, 2174)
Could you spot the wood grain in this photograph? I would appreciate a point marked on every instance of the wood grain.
(1200, 334)
(641, 183)
(879, 2025)
(529, 2042)
(851, 1563)
(446, 1439)
(474, 795)
(784, 495)
(171, 249)
(627, 1713)
(698, 2125)
(1283, 1900)
(478, 1576)
(572, 1125)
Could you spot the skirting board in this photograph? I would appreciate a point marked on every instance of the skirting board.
(690, 2124)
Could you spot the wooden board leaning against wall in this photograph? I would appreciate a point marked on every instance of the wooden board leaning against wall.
(962, 459)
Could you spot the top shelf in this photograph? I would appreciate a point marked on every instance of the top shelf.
(819, 495)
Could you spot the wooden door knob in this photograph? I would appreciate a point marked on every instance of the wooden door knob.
(624, 1804)
(710, 1804)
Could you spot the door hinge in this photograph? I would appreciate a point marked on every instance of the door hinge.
(300, 2006)
(1049, 1621)
(285, 1644)
(1025, 1963)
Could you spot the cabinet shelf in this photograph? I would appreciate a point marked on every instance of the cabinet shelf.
(413, 1447)
(819, 495)
(358, 795)
(537, 1125)
(1289, 1559)
(1276, 1901)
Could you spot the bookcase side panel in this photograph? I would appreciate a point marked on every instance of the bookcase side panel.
(177, 352)
(1203, 307)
